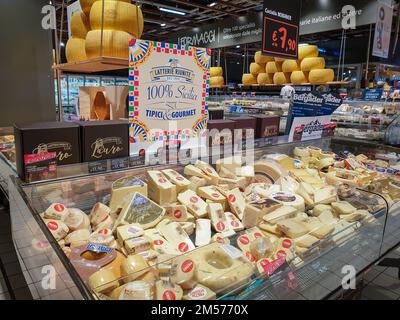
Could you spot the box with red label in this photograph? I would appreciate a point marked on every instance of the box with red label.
(220, 132)
(41, 166)
(103, 140)
(266, 126)
(43, 137)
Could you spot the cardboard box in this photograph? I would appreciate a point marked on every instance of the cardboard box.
(103, 140)
(267, 126)
(43, 137)
(226, 130)
(244, 124)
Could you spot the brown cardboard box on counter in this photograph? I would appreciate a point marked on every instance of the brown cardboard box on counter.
(224, 137)
(244, 124)
(267, 126)
(103, 140)
(63, 138)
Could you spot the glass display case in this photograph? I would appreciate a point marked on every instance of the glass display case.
(7, 157)
(312, 273)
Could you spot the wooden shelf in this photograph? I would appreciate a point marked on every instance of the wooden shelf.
(291, 84)
(94, 65)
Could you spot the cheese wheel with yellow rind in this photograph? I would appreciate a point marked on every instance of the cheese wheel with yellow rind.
(299, 77)
(265, 78)
(216, 72)
(308, 51)
(256, 68)
(259, 58)
(290, 66)
(281, 78)
(321, 76)
(115, 44)
(75, 50)
(309, 64)
(273, 67)
(248, 79)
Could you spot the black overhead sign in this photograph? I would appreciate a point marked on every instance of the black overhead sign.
(316, 16)
(281, 28)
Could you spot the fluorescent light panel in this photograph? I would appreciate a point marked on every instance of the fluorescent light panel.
(212, 4)
(180, 13)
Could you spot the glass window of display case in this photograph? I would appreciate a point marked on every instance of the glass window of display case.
(296, 252)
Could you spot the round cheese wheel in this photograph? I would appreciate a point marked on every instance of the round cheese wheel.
(216, 72)
(80, 25)
(281, 78)
(217, 81)
(290, 66)
(273, 67)
(103, 281)
(308, 51)
(321, 76)
(118, 15)
(248, 79)
(301, 152)
(86, 5)
(133, 267)
(265, 78)
(309, 64)
(115, 44)
(299, 77)
(289, 199)
(75, 50)
(260, 59)
(256, 68)
(76, 219)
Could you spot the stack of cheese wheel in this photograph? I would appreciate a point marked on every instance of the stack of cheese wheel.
(312, 67)
(122, 22)
(216, 77)
(80, 26)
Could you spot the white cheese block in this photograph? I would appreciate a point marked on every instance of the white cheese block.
(225, 173)
(200, 292)
(301, 152)
(246, 171)
(129, 231)
(189, 227)
(220, 238)
(261, 247)
(203, 232)
(292, 228)
(149, 255)
(289, 199)
(237, 202)
(177, 212)
(99, 213)
(343, 207)
(160, 190)
(182, 272)
(323, 231)
(196, 183)
(135, 245)
(79, 236)
(165, 290)
(302, 191)
(107, 223)
(243, 242)
(102, 237)
(320, 208)
(56, 211)
(194, 203)
(306, 241)
(288, 184)
(141, 210)
(207, 169)
(268, 171)
(283, 212)
(192, 171)
(176, 236)
(136, 290)
(254, 212)
(231, 164)
(177, 179)
(327, 217)
(234, 222)
(124, 188)
(57, 228)
(271, 228)
(211, 193)
(326, 195)
(352, 217)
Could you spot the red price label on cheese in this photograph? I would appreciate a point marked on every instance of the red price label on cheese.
(220, 240)
(244, 240)
(215, 195)
(183, 247)
(231, 198)
(220, 226)
(187, 266)
(178, 214)
(169, 295)
(103, 231)
(194, 199)
(281, 254)
(162, 180)
(52, 225)
(250, 257)
(234, 223)
(158, 242)
(257, 235)
(179, 178)
(59, 208)
(286, 243)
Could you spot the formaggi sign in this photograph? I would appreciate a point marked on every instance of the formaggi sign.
(199, 39)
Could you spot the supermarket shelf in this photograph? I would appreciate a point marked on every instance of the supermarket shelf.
(94, 65)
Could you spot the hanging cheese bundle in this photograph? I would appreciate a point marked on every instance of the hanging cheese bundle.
(80, 25)
(118, 15)
(115, 44)
(86, 5)
(75, 48)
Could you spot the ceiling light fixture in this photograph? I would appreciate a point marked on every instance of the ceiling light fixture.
(163, 24)
(212, 4)
(180, 13)
(238, 46)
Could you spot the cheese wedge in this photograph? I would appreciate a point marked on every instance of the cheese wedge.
(177, 212)
(326, 195)
(196, 183)
(306, 241)
(225, 173)
(323, 231)
(56, 211)
(124, 188)
(327, 217)
(183, 271)
(181, 183)
(255, 211)
(189, 227)
(194, 203)
(129, 231)
(165, 290)
(235, 224)
(292, 228)
(218, 218)
(176, 236)
(283, 212)
(343, 207)
(320, 208)
(211, 193)
(271, 228)
(161, 190)
(237, 202)
(208, 170)
(200, 292)
(230, 164)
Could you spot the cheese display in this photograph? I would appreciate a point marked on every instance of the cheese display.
(248, 79)
(307, 51)
(217, 81)
(256, 68)
(318, 76)
(264, 78)
(118, 15)
(114, 44)
(290, 66)
(201, 231)
(308, 64)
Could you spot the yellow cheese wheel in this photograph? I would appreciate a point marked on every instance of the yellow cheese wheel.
(273, 67)
(75, 50)
(115, 44)
(321, 76)
(281, 78)
(216, 72)
(256, 68)
(248, 79)
(265, 78)
(309, 64)
(299, 77)
(80, 25)
(118, 15)
(217, 81)
(308, 51)
(260, 59)
(290, 66)
(279, 59)
(86, 5)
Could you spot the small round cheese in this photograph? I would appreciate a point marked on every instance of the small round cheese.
(57, 228)
(76, 219)
(217, 81)
(273, 67)
(281, 78)
(319, 76)
(299, 77)
(308, 51)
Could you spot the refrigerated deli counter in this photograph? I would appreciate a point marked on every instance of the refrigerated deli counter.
(282, 227)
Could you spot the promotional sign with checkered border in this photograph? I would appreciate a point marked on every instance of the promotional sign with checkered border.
(168, 83)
